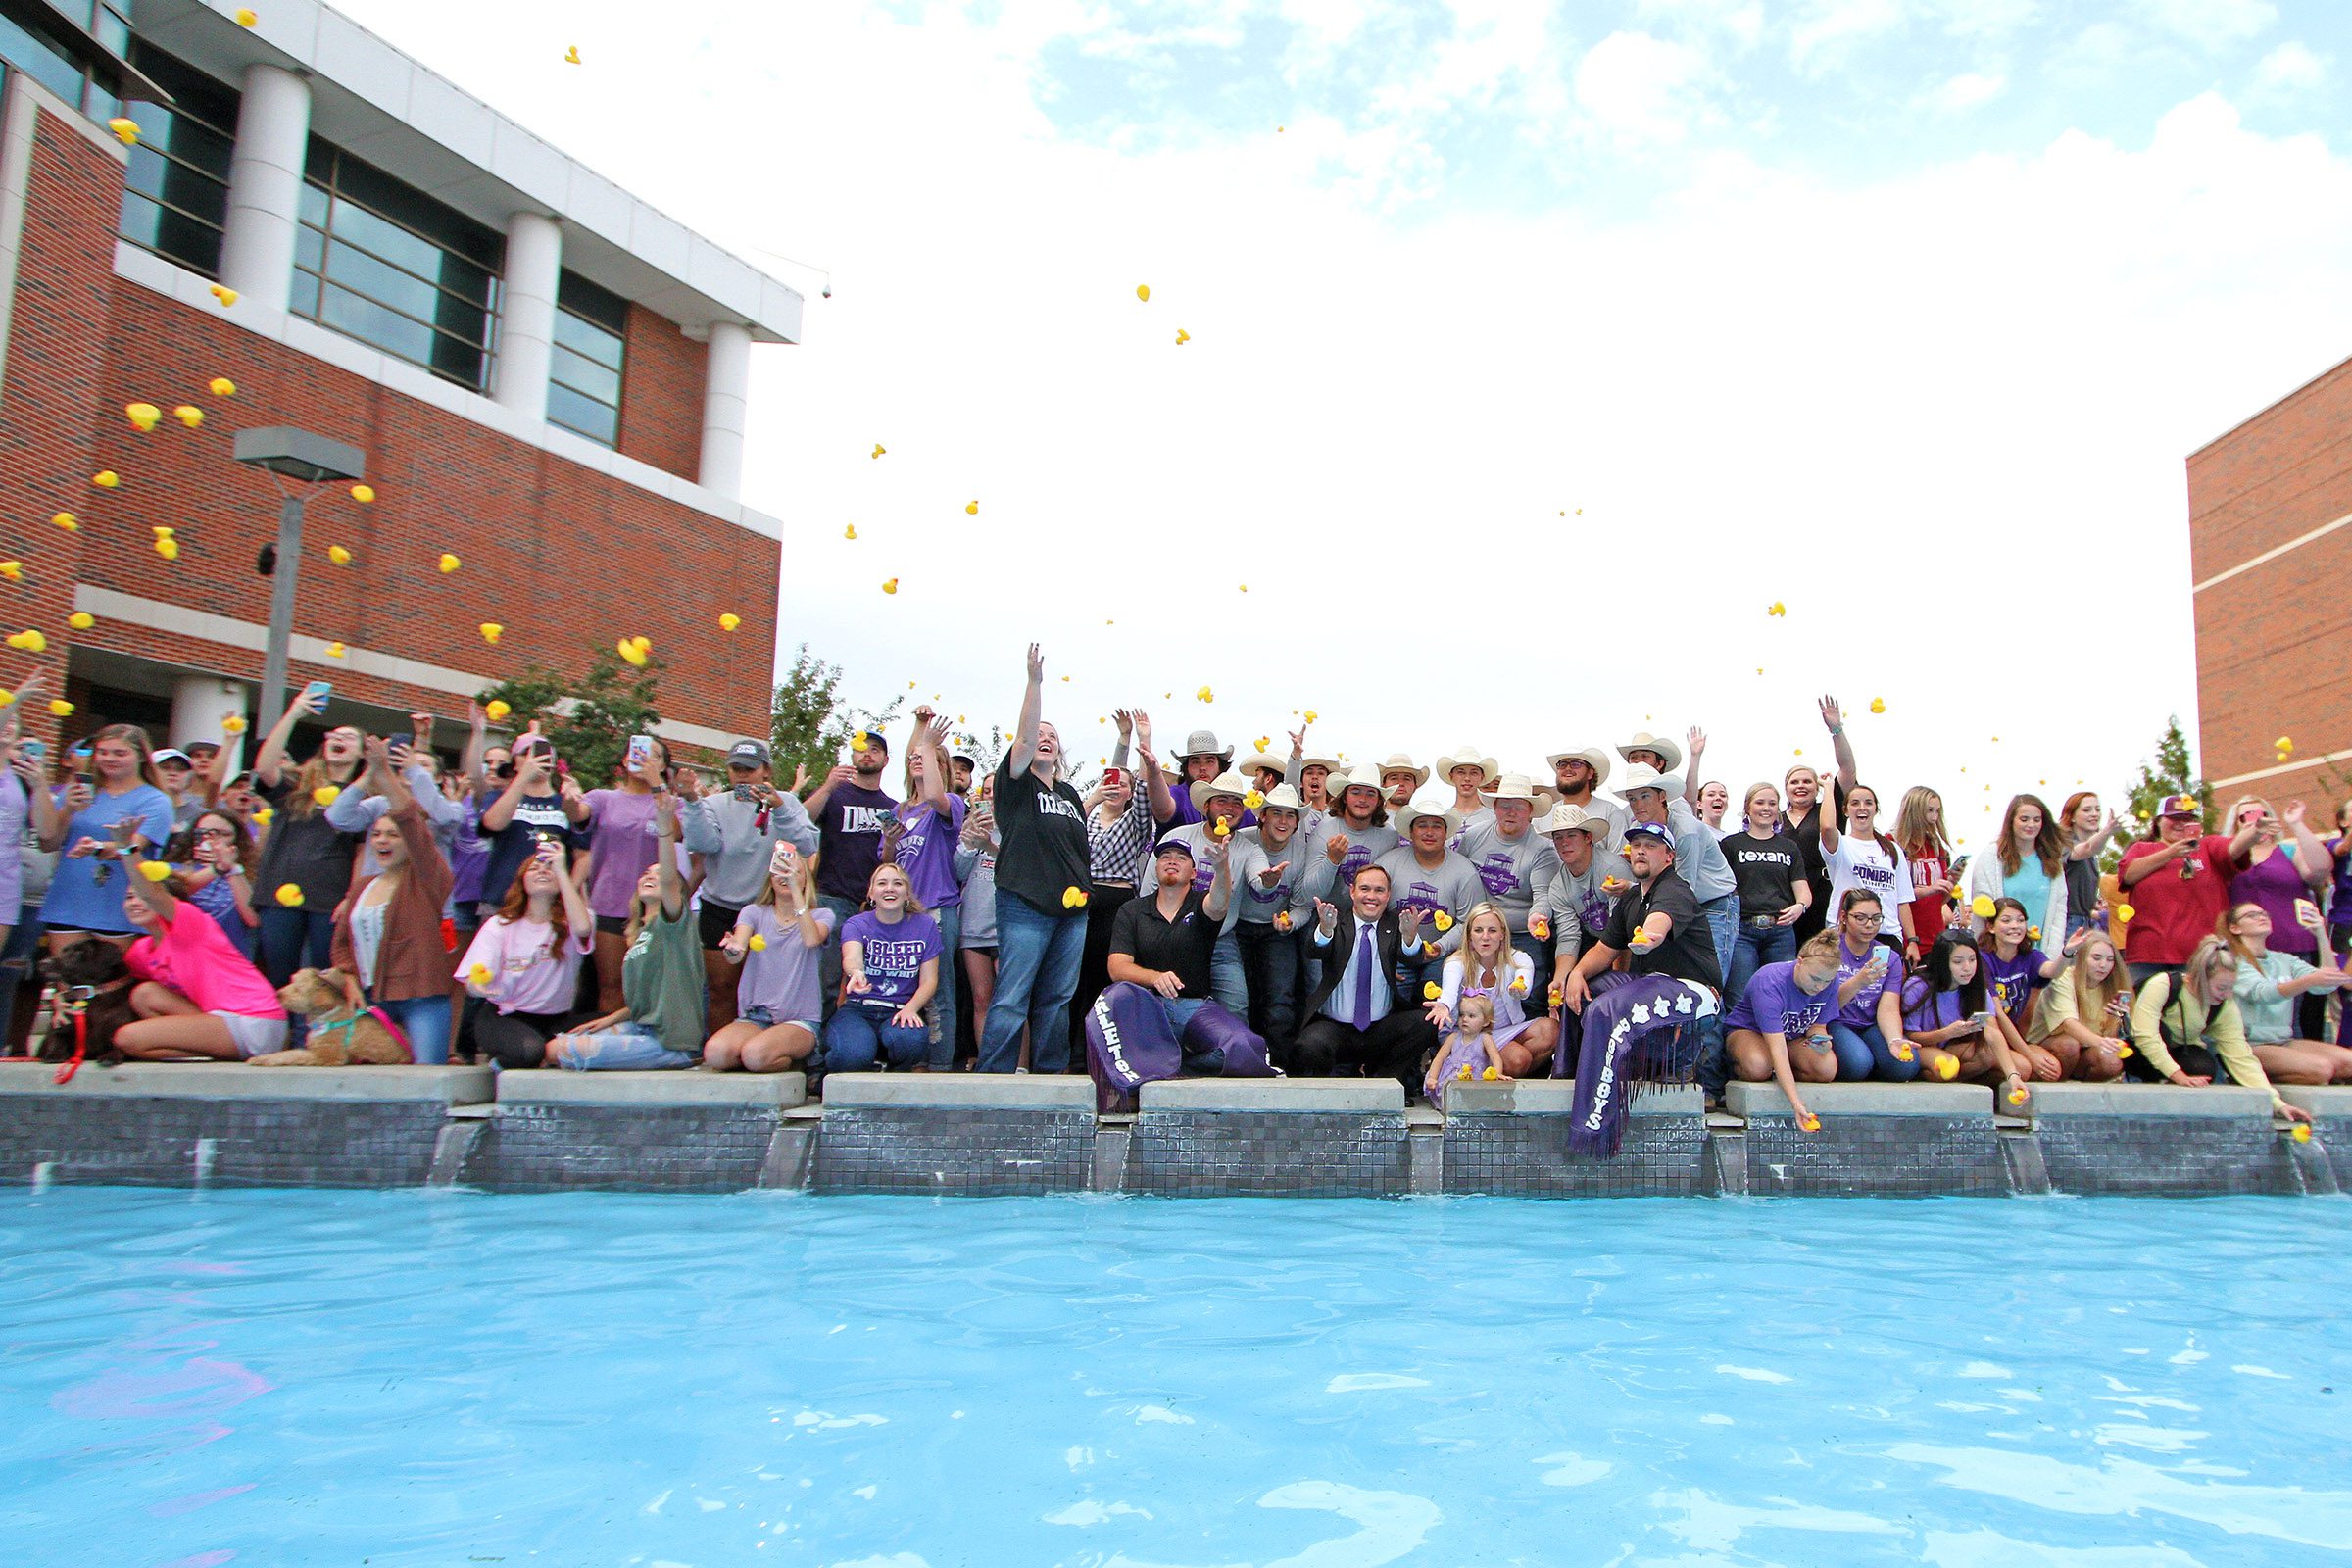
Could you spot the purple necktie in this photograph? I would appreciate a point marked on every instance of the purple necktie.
(1365, 961)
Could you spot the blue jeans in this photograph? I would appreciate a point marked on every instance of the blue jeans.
(828, 958)
(1863, 1054)
(1228, 981)
(295, 939)
(425, 1021)
(1037, 973)
(943, 999)
(627, 1046)
(1752, 948)
(1714, 1059)
(861, 1032)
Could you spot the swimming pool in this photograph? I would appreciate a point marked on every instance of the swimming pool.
(297, 1377)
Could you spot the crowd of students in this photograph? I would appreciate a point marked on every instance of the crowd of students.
(1432, 923)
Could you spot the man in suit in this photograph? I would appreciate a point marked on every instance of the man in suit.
(1356, 1018)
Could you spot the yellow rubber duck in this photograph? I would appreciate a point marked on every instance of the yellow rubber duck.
(479, 974)
(67, 521)
(189, 415)
(1443, 920)
(234, 724)
(1809, 1123)
(491, 632)
(13, 570)
(1432, 990)
(571, 56)
(142, 415)
(850, 532)
(1142, 291)
(449, 562)
(1982, 906)
(758, 943)
(1253, 799)
(338, 556)
(1776, 608)
(81, 620)
(326, 793)
(1073, 898)
(363, 493)
(1540, 928)
(496, 709)
(2302, 1132)
(245, 17)
(1204, 694)
(729, 622)
(891, 585)
(1309, 715)
(154, 871)
(127, 131)
(106, 479)
(879, 449)
(225, 294)
(1282, 920)
(1183, 337)
(1878, 705)
(1948, 1069)
(1490, 1075)
(335, 649)
(289, 896)
(31, 641)
(222, 387)
(59, 707)
(971, 509)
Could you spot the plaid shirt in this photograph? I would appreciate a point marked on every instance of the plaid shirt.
(1115, 850)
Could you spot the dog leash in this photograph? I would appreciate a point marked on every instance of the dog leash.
(77, 1007)
(345, 1027)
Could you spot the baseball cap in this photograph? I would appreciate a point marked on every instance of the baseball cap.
(170, 753)
(747, 754)
(1175, 844)
(1653, 830)
(2170, 806)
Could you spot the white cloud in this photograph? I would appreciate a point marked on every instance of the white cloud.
(2289, 68)
(1740, 21)
(1643, 88)
(1896, 393)
(1826, 32)
(1967, 90)
(2210, 22)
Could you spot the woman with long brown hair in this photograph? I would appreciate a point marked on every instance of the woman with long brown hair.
(2026, 863)
(112, 814)
(525, 960)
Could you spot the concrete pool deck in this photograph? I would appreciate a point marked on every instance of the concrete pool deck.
(202, 1124)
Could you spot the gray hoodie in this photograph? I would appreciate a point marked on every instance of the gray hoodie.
(726, 832)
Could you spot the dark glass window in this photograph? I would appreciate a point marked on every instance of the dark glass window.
(30, 47)
(584, 372)
(175, 194)
(387, 263)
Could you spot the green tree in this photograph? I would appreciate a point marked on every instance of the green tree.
(2172, 772)
(808, 722)
(590, 719)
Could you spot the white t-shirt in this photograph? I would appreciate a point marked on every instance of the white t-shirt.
(1859, 863)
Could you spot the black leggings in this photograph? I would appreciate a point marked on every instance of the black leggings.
(518, 1039)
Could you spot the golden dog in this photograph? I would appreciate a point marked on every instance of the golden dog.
(340, 1036)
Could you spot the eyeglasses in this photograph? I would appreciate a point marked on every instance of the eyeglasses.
(1867, 919)
(215, 833)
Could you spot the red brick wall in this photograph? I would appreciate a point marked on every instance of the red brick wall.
(55, 376)
(2272, 642)
(564, 557)
(661, 394)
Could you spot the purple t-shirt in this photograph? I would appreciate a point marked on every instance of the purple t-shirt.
(2275, 884)
(1924, 1011)
(927, 851)
(619, 836)
(2009, 982)
(1775, 1004)
(893, 955)
(1863, 1011)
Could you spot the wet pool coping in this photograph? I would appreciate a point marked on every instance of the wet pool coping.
(961, 1134)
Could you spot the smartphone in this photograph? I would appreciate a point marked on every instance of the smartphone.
(1983, 1020)
(319, 688)
(1112, 775)
(34, 749)
(641, 750)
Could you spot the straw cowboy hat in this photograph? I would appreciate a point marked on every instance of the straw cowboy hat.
(1569, 817)
(1331, 764)
(1281, 798)
(1266, 760)
(1642, 776)
(1409, 814)
(1399, 762)
(1591, 756)
(1467, 755)
(1519, 787)
(1366, 774)
(1203, 743)
(1646, 741)
(1226, 783)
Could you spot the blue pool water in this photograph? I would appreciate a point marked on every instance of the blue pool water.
(412, 1378)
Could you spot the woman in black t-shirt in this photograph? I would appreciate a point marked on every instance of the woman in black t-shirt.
(303, 851)
(1774, 894)
(1042, 880)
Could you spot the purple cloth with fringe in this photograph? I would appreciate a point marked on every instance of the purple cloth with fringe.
(1634, 1029)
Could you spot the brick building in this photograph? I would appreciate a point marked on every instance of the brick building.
(2269, 527)
(547, 377)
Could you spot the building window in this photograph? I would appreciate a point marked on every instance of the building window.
(30, 43)
(583, 383)
(388, 265)
(176, 192)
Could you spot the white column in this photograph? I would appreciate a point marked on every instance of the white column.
(199, 702)
(726, 389)
(527, 313)
(265, 186)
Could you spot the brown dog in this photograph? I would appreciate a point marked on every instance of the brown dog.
(339, 1035)
(90, 999)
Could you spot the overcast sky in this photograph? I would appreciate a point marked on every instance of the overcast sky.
(1533, 356)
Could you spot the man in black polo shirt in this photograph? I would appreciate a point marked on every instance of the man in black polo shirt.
(1156, 1018)
(1673, 982)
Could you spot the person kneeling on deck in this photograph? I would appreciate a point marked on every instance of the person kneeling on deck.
(662, 977)
(1357, 1020)
(1671, 984)
(1156, 1018)
(2190, 1033)
(1786, 1003)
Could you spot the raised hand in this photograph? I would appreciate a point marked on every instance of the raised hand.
(1699, 744)
(1327, 917)
(1271, 876)
(1335, 849)
(799, 777)
(1125, 721)
(1833, 717)
(1037, 664)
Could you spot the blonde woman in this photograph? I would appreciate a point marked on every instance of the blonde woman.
(2189, 1032)
(1919, 834)
(1768, 865)
(890, 955)
(2269, 984)
(778, 939)
(1487, 966)
(2090, 1005)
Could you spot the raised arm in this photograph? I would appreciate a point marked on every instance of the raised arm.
(1155, 784)
(530, 772)
(2311, 858)
(666, 857)
(1024, 734)
(1691, 779)
(1833, 719)
(270, 759)
(478, 741)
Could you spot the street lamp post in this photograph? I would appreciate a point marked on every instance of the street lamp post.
(307, 459)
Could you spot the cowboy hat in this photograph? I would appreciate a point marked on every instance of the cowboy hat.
(1203, 743)
(1266, 760)
(1467, 755)
(1409, 814)
(1330, 765)
(1226, 783)
(1516, 787)
(1569, 817)
(1281, 798)
(1366, 774)
(1642, 776)
(1591, 756)
(1400, 763)
(1646, 741)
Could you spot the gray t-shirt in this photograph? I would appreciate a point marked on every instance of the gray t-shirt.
(735, 846)
(1698, 854)
(1304, 878)
(1577, 905)
(1511, 870)
(1452, 887)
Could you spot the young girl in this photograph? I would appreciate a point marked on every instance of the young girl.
(2026, 866)
(1866, 1022)
(890, 956)
(2189, 1031)
(115, 790)
(779, 1001)
(1863, 857)
(1919, 834)
(2088, 1007)
(976, 871)
(1469, 1052)
(2269, 982)
(1785, 1001)
(1487, 966)
(663, 983)
(304, 850)
(525, 960)
(197, 995)
(1769, 866)
(620, 847)
(218, 848)
(2014, 969)
(1953, 1021)
(388, 929)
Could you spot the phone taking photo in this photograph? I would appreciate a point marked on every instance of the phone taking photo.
(641, 751)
